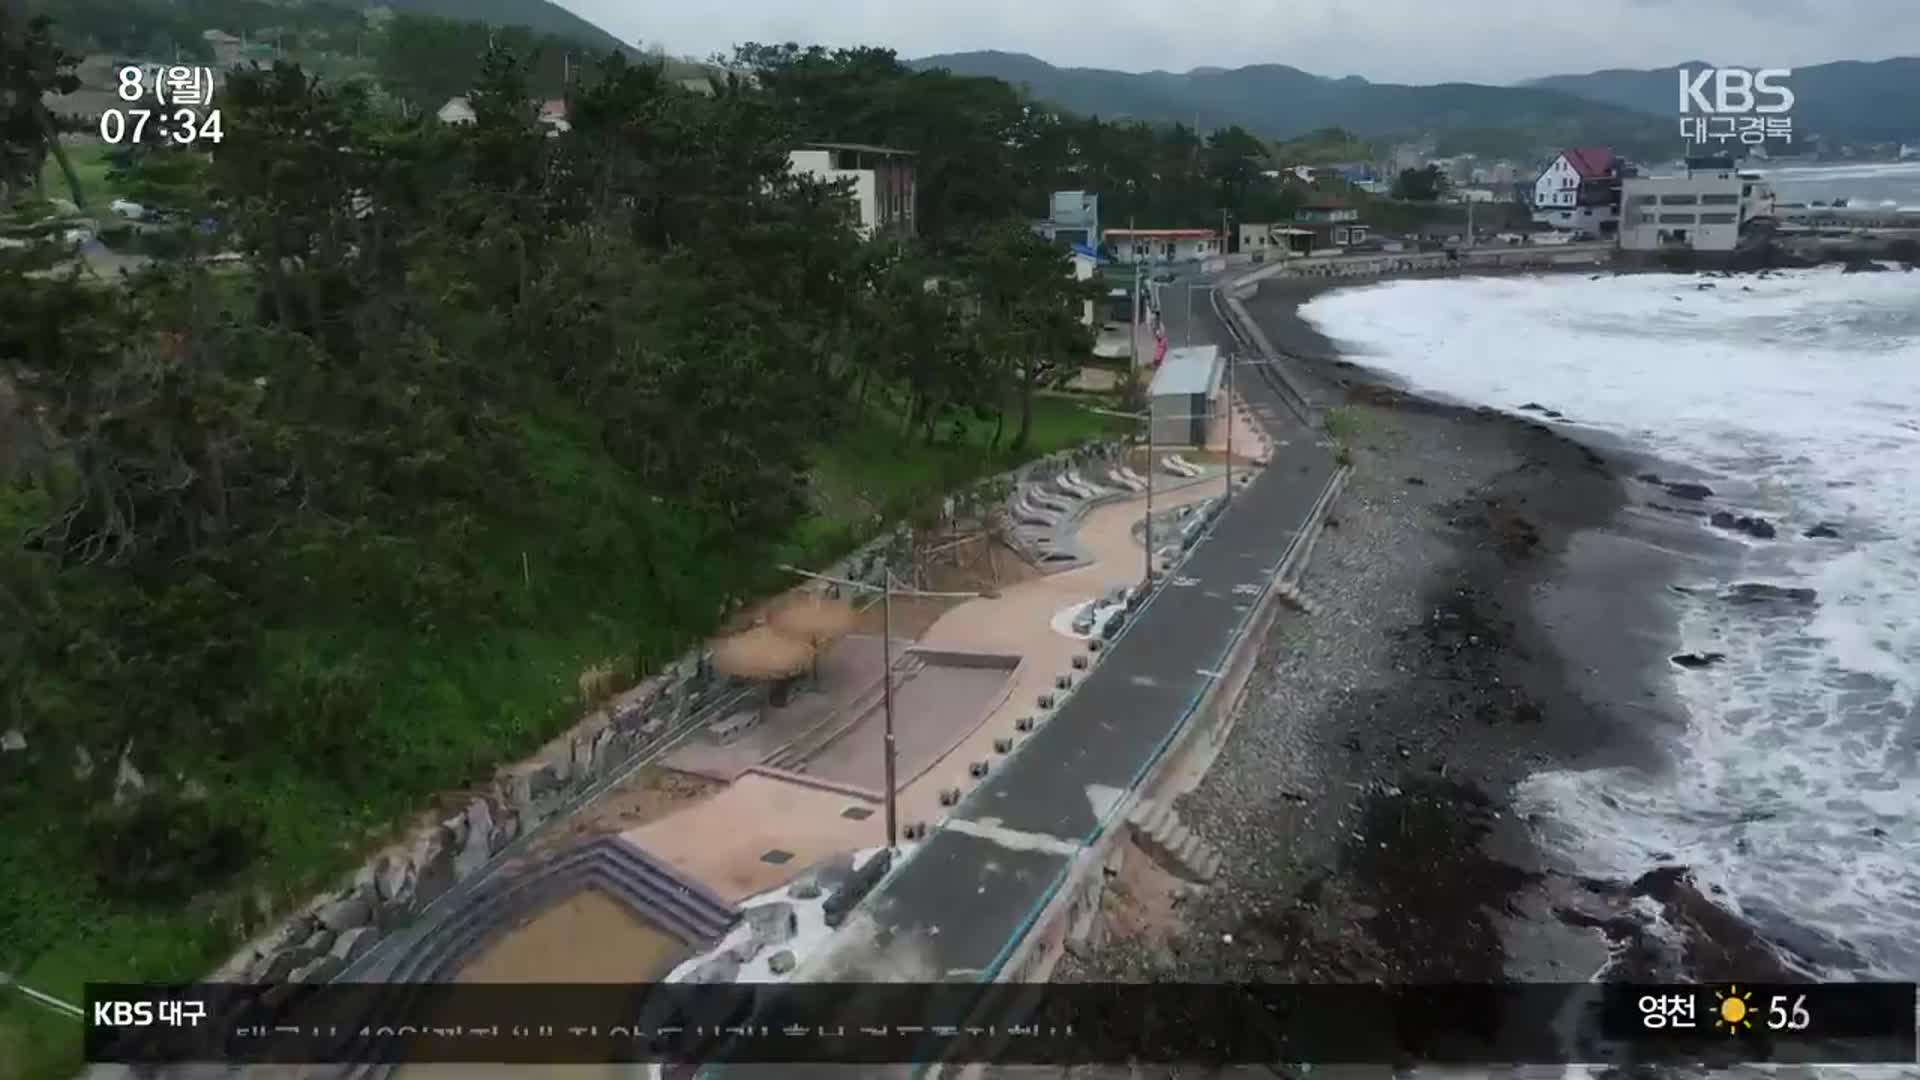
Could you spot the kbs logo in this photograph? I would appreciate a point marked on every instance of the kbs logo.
(148, 1013)
(1728, 103)
(1735, 91)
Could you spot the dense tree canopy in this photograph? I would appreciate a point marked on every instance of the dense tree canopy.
(986, 151)
(32, 65)
(306, 532)
(1420, 185)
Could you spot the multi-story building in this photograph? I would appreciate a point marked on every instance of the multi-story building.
(1580, 192)
(1711, 207)
(883, 181)
(1073, 217)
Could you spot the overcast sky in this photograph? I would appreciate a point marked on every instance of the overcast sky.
(1418, 41)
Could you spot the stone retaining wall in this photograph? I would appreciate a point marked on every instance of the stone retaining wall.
(403, 880)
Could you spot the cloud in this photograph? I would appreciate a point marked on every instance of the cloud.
(1384, 40)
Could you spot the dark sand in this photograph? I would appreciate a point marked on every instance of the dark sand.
(1490, 607)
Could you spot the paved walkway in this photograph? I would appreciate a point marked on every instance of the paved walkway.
(720, 840)
(957, 908)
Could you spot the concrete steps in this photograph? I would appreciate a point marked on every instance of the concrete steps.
(646, 886)
(1158, 829)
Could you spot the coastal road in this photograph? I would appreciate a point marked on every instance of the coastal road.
(957, 908)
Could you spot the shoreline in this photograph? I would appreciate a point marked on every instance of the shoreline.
(1472, 631)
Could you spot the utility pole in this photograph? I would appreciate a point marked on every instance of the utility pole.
(886, 590)
(1133, 320)
(886, 680)
(1148, 534)
(1231, 364)
(1134, 337)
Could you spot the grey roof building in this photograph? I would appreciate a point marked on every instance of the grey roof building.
(1185, 395)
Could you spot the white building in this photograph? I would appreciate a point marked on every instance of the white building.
(882, 179)
(1162, 245)
(1579, 192)
(1709, 208)
(1256, 238)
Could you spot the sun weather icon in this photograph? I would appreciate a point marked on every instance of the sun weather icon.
(1735, 1011)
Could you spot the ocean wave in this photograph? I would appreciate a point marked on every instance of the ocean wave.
(1796, 787)
(1881, 170)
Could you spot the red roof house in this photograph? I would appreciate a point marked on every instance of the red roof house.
(1591, 162)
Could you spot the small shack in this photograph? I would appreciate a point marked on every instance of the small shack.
(1185, 395)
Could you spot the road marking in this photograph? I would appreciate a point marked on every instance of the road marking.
(1206, 673)
(1246, 590)
(1012, 839)
(1184, 582)
(1103, 799)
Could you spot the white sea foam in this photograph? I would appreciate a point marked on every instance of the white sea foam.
(1796, 787)
(1873, 170)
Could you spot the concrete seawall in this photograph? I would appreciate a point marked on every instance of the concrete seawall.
(1186, 757)
(1467, 261)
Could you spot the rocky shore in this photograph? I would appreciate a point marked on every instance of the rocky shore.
(1487, 600)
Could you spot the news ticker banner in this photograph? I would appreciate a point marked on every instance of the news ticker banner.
(877, 1023)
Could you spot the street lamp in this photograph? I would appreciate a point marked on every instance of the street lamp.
(1147, 527)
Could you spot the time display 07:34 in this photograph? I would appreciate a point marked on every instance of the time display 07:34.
(180, 126)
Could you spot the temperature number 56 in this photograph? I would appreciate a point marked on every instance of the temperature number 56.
(1782, 1018)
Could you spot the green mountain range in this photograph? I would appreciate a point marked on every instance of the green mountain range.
(1632, 111)
(1284, 102)
(1849, 101)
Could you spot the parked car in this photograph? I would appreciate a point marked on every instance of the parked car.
(132, 211)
